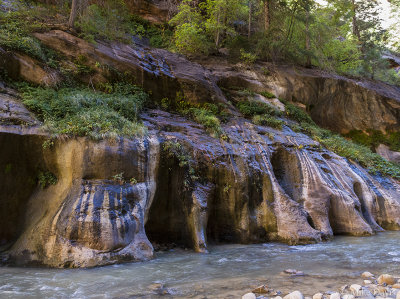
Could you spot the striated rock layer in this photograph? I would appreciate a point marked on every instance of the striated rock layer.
(258, 186)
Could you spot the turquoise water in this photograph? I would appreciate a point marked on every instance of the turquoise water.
(228, 271)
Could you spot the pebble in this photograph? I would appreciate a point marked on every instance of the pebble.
(335, 296)
(386, 278)
(249, 296)
(347, 296)
(294, 295)
(367, 275)
(318, 296)
(367, 282)
(293, 272)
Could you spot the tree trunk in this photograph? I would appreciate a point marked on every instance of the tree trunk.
(73, 14)
(356, 30)
(308, 44)
(250, 15)
(267, 16)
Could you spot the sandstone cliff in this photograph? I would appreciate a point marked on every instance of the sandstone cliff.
(258, 184)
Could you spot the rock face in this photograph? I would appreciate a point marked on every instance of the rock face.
(258, 184)
(334, 102)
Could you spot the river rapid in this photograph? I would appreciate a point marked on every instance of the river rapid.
(227, 271)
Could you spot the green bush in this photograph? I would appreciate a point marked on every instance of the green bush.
(267, 94)
(373, 138)
(297, 114)
(252, 108)
(15, 34)
(46, 178)
(270, 121)
(83, 112)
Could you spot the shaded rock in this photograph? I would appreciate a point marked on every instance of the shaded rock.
(22, 67)
(385, 152)
(156, 70)
(294, 295)
(386, 278)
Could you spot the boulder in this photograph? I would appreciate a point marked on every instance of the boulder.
(386, 278)
(335, 296)
(294, 295)
(355, 288)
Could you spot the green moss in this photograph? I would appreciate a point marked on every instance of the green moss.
(267, 94)
(270, 121)
(83, 112)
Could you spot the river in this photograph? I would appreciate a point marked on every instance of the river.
(227, 271)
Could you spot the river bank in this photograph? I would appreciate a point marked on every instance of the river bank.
(372, 286)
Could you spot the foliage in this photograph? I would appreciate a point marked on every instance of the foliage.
(46, 178)
(270, 121)
(197, 27)
(267, 94)
(16, 28)
(83, 112)
(252, 108)
(176, 150)
(247, 57)
(373, 138)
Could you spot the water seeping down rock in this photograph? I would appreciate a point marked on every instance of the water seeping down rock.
(257, 185)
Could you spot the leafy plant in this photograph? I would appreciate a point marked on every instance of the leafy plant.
(118, 178)
(265, 120)
(46, 178)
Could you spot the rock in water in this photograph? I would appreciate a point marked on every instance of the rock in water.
(294, 295)
(355, 288)
(249, 296)
(367, 275)
(263, 289)
(386, 278)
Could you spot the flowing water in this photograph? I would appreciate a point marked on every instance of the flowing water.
(228, 271)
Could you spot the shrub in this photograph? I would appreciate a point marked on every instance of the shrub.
(265, 120)
(83, 112)
(247, 57)
(46, 178)
(252, 108)
(267, 94)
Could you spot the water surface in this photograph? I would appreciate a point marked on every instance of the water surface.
(228, 271)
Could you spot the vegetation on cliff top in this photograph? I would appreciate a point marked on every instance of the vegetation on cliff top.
(84, 112)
